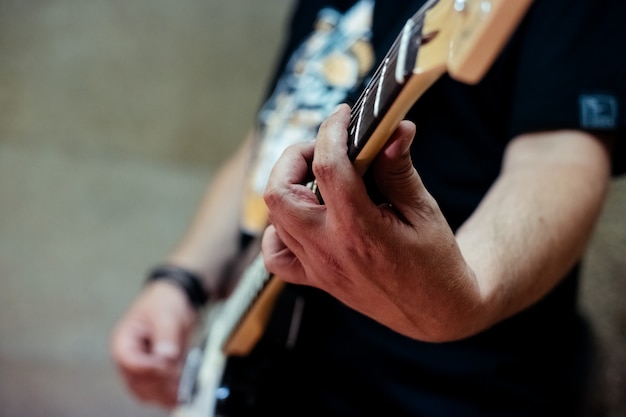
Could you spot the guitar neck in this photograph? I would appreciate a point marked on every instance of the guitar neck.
(393, 89)
(385, 85)
(247, 309)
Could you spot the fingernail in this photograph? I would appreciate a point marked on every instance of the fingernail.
(337, 107)
(166, 349)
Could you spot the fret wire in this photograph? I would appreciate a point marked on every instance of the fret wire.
(373, 82)
(414, 22)
(376, 76)
(415, 26)
(356, 108)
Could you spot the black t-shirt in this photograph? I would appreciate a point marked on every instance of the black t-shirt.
(562, 69)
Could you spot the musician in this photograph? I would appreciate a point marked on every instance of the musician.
(446, 286)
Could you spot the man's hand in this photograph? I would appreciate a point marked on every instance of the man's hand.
(150, 342)
(396, 262)
(400, 264)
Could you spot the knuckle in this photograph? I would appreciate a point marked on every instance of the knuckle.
(271, 195)
(323, 170)
(426, 209)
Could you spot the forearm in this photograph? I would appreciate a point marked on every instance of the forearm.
(535, 222)
(212, 238)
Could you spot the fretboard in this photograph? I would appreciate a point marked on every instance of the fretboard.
(386, 83)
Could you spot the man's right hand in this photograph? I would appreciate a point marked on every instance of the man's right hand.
(149, 343)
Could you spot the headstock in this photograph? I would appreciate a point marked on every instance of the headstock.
(467, 35)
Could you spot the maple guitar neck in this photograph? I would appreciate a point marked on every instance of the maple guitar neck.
(460, 37)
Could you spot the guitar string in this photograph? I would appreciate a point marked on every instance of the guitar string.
(392, 52)
(248, 289)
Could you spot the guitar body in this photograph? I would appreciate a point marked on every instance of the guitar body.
(461, 37)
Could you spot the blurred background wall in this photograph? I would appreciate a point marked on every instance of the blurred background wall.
(113, 116)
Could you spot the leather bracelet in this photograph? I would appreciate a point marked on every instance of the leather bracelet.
(190, 283)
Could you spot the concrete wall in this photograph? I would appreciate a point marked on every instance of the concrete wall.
(113, 116)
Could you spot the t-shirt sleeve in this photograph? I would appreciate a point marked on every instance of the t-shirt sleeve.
(572, 71)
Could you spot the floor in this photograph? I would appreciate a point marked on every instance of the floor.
(113, 116)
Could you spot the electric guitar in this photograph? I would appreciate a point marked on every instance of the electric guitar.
(460, 37)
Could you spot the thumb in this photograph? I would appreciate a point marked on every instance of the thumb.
(396, 177)
(167, 342)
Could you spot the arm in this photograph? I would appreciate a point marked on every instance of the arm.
(400, 263)
(212, 238)
(149, 343)
(535, 222)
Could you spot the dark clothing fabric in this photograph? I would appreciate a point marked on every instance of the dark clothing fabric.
(562, 69)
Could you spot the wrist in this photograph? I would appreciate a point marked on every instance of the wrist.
(190, 283)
